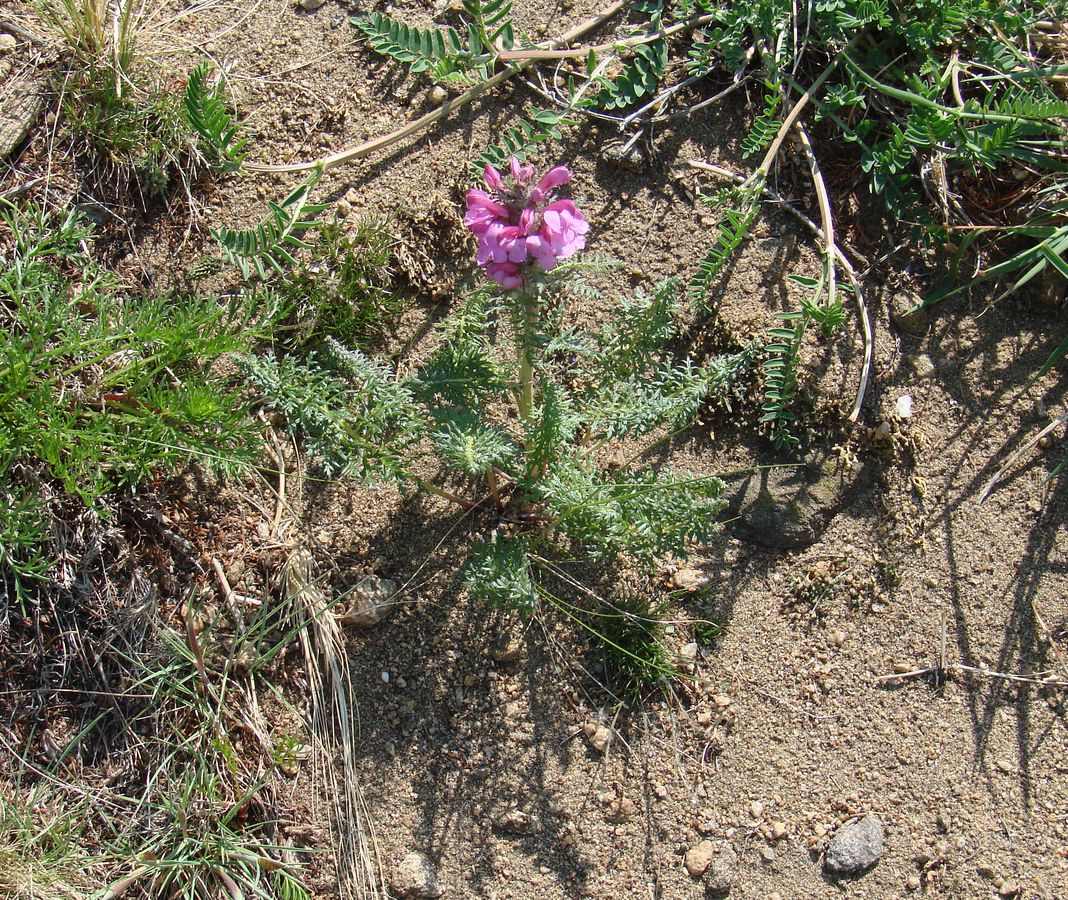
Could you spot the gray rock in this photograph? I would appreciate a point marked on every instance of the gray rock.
(7, 43)
(619, 156)
(789, 508)
(20, 106)
(311, 5)
(855, 847)
(414, 877)
(372, 601)
(907, 314)
(721, 872)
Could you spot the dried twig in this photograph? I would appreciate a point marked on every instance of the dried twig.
(999, 474)
(1046, 679)
(842, 260)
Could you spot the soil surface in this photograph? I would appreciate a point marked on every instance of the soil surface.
(478, 736)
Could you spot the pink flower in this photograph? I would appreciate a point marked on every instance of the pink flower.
(516, 227)
(564, 228)
(506, 274)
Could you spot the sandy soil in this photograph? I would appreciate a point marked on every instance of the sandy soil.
(785, 729)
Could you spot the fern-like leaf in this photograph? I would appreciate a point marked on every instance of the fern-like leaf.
(491, 22)
(780, 376)
(766, 125)
(268, 244)
(207, 113)
(438, 51)
(499, 573)
(639, 78)
(521, 139)
(471, 446)
(731, 232)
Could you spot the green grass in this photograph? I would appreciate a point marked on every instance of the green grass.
(42, 845)
(346, 287)
(103, 388)
(124, 110)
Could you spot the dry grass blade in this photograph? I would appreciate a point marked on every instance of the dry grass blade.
(333, 717)
(1020, 451)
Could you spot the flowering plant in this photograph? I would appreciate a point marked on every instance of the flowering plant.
(516, 226)
(577, 395)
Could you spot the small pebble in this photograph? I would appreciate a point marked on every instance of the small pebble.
(599, 736)
(438, 95)
(698, 858)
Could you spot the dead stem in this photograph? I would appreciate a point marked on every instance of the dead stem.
(840, 258)
(380, 143)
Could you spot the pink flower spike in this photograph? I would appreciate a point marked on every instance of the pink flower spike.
(542, 252)
(479, 198)
(521, 174)
(494, 181)
(552, 179)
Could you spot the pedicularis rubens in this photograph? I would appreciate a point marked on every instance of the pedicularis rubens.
(578, 399)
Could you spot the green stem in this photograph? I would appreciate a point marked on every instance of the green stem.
(526, 330)
(918, 100)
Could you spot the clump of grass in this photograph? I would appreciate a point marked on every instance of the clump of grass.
(123, 109)
(42, 840)
(631, 636)
(347, 288)
(102, 388)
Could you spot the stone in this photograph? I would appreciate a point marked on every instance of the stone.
(621, 810)
(311, 5)
(620, 156)
(698, 858)
(923, 366)
(516, 821)
(7, 43)
(789, 508)
(1009, 888)
(599, 736)
(721, 872)
(855, 847)
(414, 877)
(509, 649)
(688, 580)
(907, 314)
(370, 602)
(438, 95)
(21, 105)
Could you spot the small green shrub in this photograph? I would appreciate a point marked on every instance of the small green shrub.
(345, 287)
(103, 388)
(521, 402)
